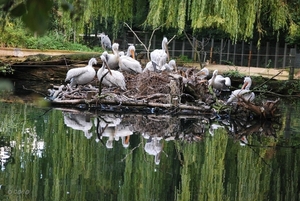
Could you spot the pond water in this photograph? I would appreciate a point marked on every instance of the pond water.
(56, 154)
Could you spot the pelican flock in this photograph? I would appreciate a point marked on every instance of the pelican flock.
(82, 75)
(117, 61)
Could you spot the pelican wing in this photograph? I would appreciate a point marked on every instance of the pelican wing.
(116, 79)
(75, 72)
(129, 64)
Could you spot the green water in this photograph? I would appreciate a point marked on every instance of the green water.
(43, 158)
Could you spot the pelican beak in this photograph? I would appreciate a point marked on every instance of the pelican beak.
(244, 85)
(132, 54)
(167, 51)
(107, 67)
(127, 139)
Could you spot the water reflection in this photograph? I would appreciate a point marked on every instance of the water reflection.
(74, 155)
(109, 128)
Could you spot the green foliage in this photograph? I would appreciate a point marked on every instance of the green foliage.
(235, 19)
(6, 69)
(53, 42)
(17, 36)
(184, 58)
(234, 73)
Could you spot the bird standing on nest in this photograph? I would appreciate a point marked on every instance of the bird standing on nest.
(160, 56)
(113, 59)
(244, 92)
(218, 82)
(82, 75)
(129, 64)
(112, 77)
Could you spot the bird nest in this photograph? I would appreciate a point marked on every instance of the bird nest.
(148, 84)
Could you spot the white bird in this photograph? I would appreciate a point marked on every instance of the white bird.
(82, 75)
(129, 64)
(149, 67)
(244, 92)
(169, 66)
(112, 78)
(160, 56)
(113, 59)
(78, 122)
(203, 73)
(219, 82)
(166, 67)
(154, 147)
(131, 51)
(105, 41)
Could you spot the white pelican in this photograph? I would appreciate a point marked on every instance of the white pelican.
(219, 82)
(113, 77)
(160, 56)
(203, 73)
(166, 67)
(169, 66)
(244, 92)
(78, 122)
(154, 147)
(129, 64)
(105, 41)
(149, 67)
(123, 132)
(113, 59)
(131, 51)
(82, 75)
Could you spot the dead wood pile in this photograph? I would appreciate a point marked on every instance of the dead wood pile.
(171, 93)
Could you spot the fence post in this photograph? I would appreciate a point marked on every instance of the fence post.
(153, 42)
(258, 57)
(234, 52)
(228, 49)
(276, 55)
(193, 51)
(242, 53)
(250, 54)
(211, 50)
(284, 55)
(267, 55)
(221, 51)
(173, 49)
(146, 40)
(292, 63)
(183, 46)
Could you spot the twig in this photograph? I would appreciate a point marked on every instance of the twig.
(276, 94)
(136, 36)
(171, 39)
(268, 80)
(34, 91)
(131, 151)
(193, 47)
(148, 54)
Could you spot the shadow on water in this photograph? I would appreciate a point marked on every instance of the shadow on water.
(67, 154)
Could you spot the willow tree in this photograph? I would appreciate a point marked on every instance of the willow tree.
(238, 18)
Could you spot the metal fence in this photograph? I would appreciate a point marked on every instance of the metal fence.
(225, 51)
